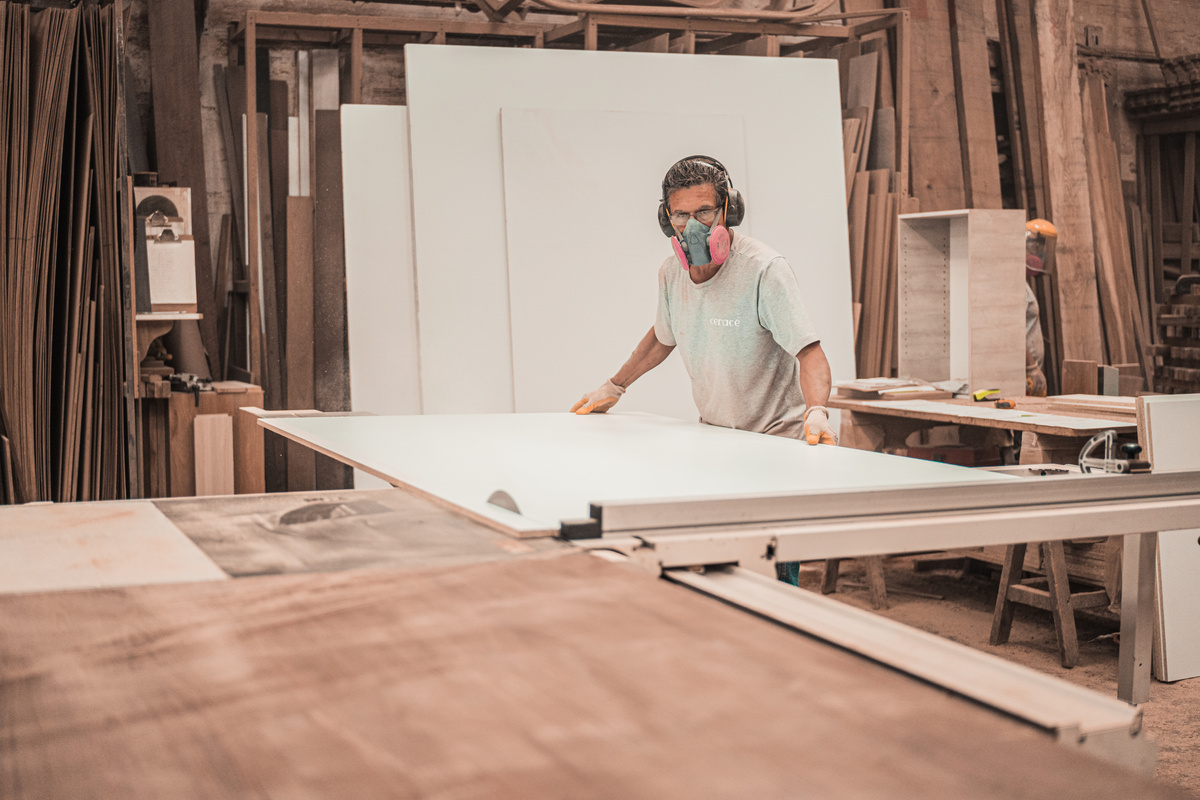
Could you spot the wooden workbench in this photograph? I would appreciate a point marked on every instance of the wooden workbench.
(1057, 437)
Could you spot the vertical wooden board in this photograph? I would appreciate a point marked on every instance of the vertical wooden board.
(278, 146)
(248, 469)
(214, 454)
(547, 155)
(793, 134)
(381, 303)
(304, 122)
(997, 299)
(973, 93)
(1078, 377)
(1169, 429)
(325, 91)
(883, 140)
(179, 147)
(299, 350)
(862, 79)
(935, 167)
(1075, 258)
(331, 387)
(858, 232)
(1025, 66)
(293, 157)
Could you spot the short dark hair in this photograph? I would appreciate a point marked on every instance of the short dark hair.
(694, 172)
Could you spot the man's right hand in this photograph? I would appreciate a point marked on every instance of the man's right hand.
(599, 400)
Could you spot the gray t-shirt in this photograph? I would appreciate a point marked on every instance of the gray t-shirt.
(739, 333)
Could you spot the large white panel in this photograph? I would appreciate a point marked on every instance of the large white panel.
(582, 262)
(554, 465)
(381, 303)
(1173, 425)
(792, 117)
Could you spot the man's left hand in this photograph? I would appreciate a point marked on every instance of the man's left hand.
(816, 426)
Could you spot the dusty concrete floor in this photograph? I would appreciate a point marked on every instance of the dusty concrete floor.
(965, 615)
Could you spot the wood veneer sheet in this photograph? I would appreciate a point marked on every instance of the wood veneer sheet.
(794, 161)
(89, 545)
(563, 347)
(554, 465)
(567, 677)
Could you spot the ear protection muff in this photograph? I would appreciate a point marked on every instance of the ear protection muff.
(719, 239)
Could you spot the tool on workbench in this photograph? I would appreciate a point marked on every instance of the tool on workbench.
(1089, 462)
(1005, 402)
(983, 394)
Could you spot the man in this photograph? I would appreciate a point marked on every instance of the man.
(733, 307)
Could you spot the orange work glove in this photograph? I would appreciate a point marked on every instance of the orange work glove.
(816, 426)
(600, 400)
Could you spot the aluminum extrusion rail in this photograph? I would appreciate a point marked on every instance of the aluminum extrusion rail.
(1073, 715)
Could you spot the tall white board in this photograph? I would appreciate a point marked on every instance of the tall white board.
(1170, 432)
(792, 125)
(583, 257)
(381, 302)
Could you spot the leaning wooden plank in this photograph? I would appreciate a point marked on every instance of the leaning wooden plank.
(1027, 102)
(858, 232)
(1067, 172)
(214, 454)
(331, 370)
(299, 349)
(278, 143)
(936, 168)
(883, 140)
(175, 79)
(230, 142)
(973, 93)
(850, 129)
(863, 75)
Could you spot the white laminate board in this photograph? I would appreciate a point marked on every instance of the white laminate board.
(52, 547)
(1172, 440)
(381, 306)
(381, 303)
(554, 465)
(792, 117)
(563, 347)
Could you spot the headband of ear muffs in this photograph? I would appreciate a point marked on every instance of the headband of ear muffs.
(735, 205)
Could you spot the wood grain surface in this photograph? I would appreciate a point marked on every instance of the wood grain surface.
(563, 678)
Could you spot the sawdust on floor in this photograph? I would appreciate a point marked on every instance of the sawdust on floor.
(965, 615)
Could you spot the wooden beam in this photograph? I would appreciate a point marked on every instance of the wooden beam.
(253, 260)
(973, 94)
(1067, 171)
(356, 65)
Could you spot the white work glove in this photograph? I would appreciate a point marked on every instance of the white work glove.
(600, 400)
(816, 426)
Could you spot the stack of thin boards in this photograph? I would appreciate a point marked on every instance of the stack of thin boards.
(873, 197)
(63, 325)
(1177, 367)
(299, 344)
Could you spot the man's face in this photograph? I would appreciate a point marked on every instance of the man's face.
(693, 200)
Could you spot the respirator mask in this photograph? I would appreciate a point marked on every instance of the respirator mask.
(701, 244)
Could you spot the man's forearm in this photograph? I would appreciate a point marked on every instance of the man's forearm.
(649, 353)
(815, 380)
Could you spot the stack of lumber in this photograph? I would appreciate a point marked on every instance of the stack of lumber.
(874, 196)
(295, 348)
(64, 331)
(1124, 296)
(1177, 359)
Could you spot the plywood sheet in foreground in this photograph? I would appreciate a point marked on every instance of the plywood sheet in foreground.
(554, 465)
(568, 677)
(86, 545)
